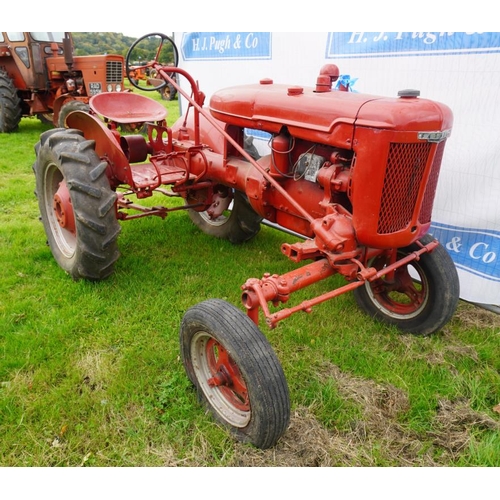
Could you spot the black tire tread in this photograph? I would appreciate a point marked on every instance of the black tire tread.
(444, 293)
(10, 105)
(92, 199)
(69, 107)
(257, 361)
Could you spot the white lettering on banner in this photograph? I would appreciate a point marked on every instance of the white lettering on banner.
(486, 257)
(219, 45)
(384, 43)
(472, 250)
(427, 37)
(251, 41)
(478, 251)
(226, 45)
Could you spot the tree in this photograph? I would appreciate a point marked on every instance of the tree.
(94, 43)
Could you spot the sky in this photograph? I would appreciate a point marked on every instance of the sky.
(262, 15)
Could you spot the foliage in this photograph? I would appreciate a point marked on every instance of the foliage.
(92, 43)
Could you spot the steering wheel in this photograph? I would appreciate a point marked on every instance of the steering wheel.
(155, 48)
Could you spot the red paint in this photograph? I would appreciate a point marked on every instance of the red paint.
(348, 171)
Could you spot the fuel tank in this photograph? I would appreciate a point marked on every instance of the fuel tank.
(324, 117)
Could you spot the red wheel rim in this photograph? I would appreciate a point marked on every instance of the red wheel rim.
(226, 375)
(63, 208)
(400, 294)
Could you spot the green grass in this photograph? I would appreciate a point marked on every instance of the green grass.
(90, 373)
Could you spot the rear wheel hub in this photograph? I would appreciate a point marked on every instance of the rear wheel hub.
(63, 208)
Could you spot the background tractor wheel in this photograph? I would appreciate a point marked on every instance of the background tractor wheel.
(10, 105)
(46, 118)
(236, 372)
(237, 225)
(68, 107)
(134, 128)
(77, 205)
(168, 92)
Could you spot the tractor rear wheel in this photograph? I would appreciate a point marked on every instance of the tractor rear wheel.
(422, 296)
(10, 105)
(76, 203)
(236, 372)
(237, 225)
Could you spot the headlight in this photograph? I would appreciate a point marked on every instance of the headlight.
(109, 87)
(118, 87)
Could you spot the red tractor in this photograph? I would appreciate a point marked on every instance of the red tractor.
(40, 76)
(354, 175)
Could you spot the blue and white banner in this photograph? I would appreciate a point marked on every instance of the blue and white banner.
(475, 251)
(460, 69)
(383, 44)
(226, 45)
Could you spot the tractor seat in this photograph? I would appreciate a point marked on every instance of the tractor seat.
(127, 107)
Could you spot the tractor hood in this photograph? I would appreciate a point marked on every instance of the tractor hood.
(326, 117)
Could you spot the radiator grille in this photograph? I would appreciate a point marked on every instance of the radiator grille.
(405, 168)
(430, 190)
(114, 71)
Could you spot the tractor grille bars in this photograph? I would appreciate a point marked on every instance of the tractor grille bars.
(405, 169)
(114, 71)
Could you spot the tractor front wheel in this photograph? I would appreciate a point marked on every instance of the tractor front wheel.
(419, 298)
(236, 372)
(77, 205)
(46, 118)
(239, 224)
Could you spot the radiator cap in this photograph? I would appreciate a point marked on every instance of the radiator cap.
(409, 93)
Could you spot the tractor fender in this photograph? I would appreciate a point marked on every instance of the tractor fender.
(107, 145)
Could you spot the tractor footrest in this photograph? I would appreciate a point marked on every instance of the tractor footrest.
(148, 176)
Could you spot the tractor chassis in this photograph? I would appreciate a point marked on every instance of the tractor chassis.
(331, 250)
(87, 176)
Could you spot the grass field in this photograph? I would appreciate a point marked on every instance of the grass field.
(90, 373)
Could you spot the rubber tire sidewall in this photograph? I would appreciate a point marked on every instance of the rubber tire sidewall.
(97, 229)
(248, 347)
(443, 293)
(242, 224)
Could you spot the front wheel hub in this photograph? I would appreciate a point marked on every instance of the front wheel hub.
(63, 208)
(222, 377)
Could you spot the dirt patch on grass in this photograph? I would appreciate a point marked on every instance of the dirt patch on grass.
(472, 316)
(378, 438)
(380, 435)
(455, 422)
